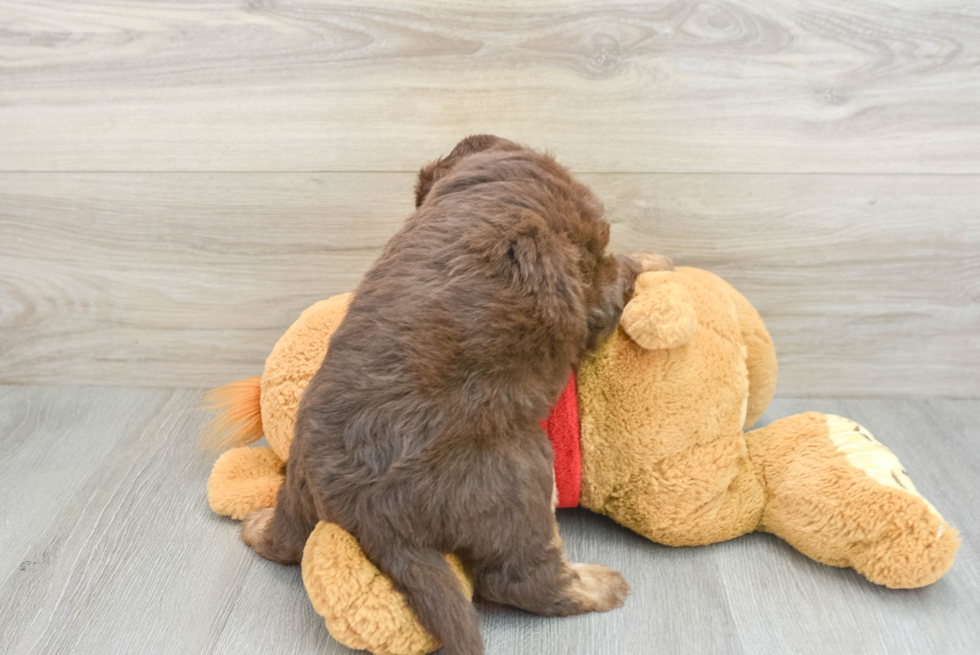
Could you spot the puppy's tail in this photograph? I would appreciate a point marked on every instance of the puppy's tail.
(237, 414)
(434, 594)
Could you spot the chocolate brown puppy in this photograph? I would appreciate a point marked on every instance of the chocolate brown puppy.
(420, 432)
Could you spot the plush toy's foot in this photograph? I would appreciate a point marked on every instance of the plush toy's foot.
(244, 480)
(841, 497)
(359, 605)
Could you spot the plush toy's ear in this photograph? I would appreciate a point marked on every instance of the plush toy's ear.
(660, 314)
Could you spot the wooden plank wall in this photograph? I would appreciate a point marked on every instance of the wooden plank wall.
(178, 179)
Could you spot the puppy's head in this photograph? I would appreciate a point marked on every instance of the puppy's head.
(571, 205)
(555, 222)
(432, 172)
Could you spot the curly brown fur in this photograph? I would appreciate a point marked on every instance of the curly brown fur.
(420, 432)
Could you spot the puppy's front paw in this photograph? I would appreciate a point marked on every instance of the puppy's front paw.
(648, 261)
(598, 588)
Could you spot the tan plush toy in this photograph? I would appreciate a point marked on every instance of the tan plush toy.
(649, 432)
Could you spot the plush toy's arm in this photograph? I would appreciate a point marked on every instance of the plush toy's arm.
(760, 358)
(842, 498)
(358, 603)
(244, 480)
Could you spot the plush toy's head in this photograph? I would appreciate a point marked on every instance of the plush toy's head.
(665, 312)
(692, 366)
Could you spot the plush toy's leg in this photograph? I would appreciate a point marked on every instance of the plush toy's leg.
(244, 480)
(359, 605)
(839, 496)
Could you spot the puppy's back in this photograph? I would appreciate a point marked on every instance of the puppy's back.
(455, 344)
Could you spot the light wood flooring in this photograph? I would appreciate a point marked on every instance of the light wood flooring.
(108, 546)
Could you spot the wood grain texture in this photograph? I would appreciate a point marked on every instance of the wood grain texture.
(870, 285)
(122, 554)
(670, 85)
(109, 548)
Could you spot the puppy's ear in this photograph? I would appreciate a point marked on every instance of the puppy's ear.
(542, 262)
(430, 173)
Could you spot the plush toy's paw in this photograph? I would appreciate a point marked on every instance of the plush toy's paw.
(244, 480)
(865, 452)
(660, 314)
(914, 547)
(842, 498)
(359, 605)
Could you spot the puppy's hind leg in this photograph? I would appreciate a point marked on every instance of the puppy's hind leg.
(540, 581)
(279, 534)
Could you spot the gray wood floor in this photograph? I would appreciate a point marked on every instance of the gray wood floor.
(108, 546)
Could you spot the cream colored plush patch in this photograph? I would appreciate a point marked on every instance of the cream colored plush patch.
(865, 452)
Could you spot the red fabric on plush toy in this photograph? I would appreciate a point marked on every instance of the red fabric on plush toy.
(563, 433)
